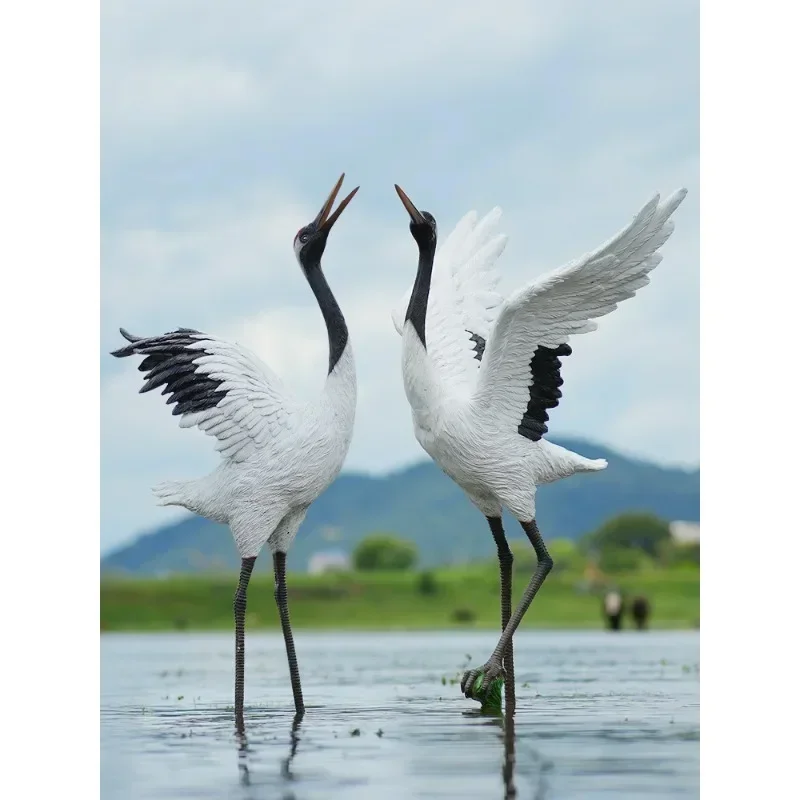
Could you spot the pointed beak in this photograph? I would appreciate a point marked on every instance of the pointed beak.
(322, 220)
(410, 207)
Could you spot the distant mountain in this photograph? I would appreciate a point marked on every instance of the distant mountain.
(422, 504)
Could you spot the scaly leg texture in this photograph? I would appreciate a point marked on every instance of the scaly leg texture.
(493, 668)
(239, 608)
(506, 559)
(282, 599)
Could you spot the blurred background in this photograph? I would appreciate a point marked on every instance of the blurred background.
(223, 128)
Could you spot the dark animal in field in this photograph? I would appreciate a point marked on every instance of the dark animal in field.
(640, 611)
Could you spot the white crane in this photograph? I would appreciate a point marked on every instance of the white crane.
(278, 454)
(480, 373)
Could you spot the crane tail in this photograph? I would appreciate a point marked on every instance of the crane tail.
(171, 493)
(591, 465)
(558, 462)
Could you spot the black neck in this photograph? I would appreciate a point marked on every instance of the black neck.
(331, 313)
(418, 303)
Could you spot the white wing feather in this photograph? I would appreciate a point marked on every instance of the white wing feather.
(475, 277)
(566, 302)
(463, 298)
(256, 409)
(467, 258)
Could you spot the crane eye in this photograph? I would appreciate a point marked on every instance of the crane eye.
(304, 237)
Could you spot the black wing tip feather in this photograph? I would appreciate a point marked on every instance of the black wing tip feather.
(544, 391)
(480, 344)
(129, 336)
(128, 349)
(169, 362)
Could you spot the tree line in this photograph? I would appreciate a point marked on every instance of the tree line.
(625, 543)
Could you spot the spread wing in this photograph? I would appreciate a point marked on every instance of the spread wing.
(464, 301)
(519, 377)
(219, 387)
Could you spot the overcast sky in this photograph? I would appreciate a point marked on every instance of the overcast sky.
(226, 124)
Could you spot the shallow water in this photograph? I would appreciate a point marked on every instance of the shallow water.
(604, 715)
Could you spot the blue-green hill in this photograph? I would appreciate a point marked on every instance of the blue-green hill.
(422, 504)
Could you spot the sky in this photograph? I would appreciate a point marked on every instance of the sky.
(224, 126)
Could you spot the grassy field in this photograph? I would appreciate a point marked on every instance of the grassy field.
(462, 597)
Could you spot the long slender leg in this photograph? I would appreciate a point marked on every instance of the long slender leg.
(494, 666)
(506, 559)
(239, 607)
(281, 598)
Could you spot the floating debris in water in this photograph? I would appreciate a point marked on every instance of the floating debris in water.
(355, 732)
(379, 733)
(490, 697)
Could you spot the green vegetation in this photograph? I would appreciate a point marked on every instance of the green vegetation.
(629, 552)
(644, 533)
(463, 597)
(565, 554)
(382, 552)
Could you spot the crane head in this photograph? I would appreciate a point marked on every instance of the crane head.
(422, 225)
(309, 242)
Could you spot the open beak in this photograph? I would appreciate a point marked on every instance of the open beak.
(410, 207)
(322, 220)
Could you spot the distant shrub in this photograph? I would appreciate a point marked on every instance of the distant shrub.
(674, 554)
(524, 556)
(634, 531)
(426, 583)
(382, 551)
(565, 554)
(623, 559)
(463, 615)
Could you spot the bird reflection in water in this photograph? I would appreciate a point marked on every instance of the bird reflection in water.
(509, 753)
(505, 721)
(286, 772)
(286, 764)
(244, 770)
(536, 765)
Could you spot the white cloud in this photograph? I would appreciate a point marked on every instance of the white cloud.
(166, 63)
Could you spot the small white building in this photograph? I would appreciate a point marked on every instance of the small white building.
(328, 561)
(685, 532)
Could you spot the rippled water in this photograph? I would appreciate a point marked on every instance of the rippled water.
(604, 715)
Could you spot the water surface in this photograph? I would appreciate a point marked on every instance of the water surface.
(603, 715)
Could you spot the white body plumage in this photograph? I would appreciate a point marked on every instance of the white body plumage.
(471, 383)
(495, 466)
(279, 455)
